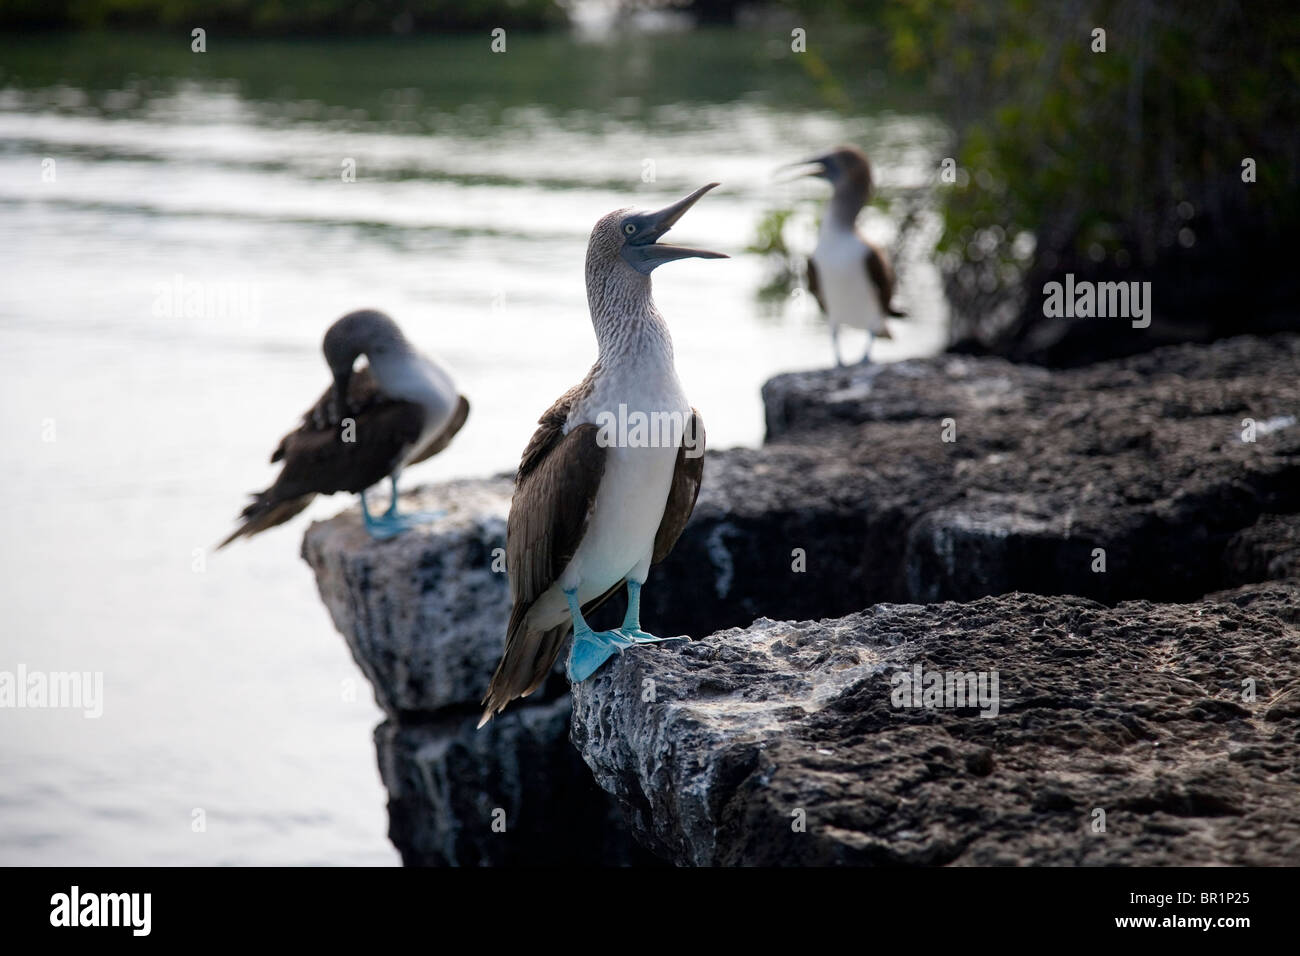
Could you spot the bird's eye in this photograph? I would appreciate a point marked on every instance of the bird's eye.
(629, 229)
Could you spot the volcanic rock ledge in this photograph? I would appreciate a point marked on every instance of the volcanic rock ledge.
(856, 499)
(779, 744)
(424, 616)
(1144, 458)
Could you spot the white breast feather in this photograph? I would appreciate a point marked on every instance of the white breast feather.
(851, 299)
(633, 490)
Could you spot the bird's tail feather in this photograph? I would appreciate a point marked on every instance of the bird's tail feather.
(265, 512)
(529, 655)
(525, 665)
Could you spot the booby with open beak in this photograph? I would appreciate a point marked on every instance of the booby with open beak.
(610, 477)
(850, 276)
(398, 409)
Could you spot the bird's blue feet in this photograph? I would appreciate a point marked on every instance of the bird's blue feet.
(866, 356)
(631, 628)
(593, 648)
(390, 524)
(638, 636)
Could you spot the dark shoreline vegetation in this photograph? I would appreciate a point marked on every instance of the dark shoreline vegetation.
(1123, 165)
(372, 73)
(280, 18)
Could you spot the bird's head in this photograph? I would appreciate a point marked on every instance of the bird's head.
(844, 165)
(628, 239)
(365, 332)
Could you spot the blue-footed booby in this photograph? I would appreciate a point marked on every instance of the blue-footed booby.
(850, 277)
(610, 477)
(398, 409)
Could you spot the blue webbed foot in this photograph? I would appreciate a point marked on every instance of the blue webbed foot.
(631, 629)
(391, 524)
(593, 648)
(638, 636)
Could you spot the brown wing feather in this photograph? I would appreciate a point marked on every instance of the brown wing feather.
(684, 490)
(549, 513)
(881, 275)
(814, 284)
(316, 460)
(555, 491)
(325, 413)
(551, 429)
(320, 461)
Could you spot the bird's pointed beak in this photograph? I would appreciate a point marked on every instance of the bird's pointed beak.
(644, 251)
(805, 167)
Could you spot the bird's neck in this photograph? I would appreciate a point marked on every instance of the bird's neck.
(407, 375)
(629, 328)
(846, 202)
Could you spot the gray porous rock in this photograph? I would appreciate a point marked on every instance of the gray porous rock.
(424, 615)
(1143, 462)
(783, 743)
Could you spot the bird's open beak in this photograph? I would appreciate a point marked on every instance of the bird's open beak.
(644, 251)
(807, 167)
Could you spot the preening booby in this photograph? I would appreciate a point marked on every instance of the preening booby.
(850, 277)
(399, 409)
(609, 478)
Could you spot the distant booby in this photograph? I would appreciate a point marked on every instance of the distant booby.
(595, 505)
(399, 409)
(850, 277)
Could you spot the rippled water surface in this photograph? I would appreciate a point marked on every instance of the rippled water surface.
(134, 420)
